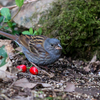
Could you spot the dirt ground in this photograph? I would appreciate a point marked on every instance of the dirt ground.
(70, 80)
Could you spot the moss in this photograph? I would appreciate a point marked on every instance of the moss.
(77, 24)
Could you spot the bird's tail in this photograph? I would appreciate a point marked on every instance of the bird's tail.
(13, 37)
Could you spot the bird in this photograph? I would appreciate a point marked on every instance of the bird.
(38, 49)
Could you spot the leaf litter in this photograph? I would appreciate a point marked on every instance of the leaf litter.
(71, 79)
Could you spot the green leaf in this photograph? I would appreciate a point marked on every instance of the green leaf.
(10, 24)
(26, 32)
(1, 19)
(0, 26)
(5, 20)
(6, 28)
(13, 24)
(19, 3)
(31, 30)
(4, 56)
(35, 33)
(15, 32)
(49, 98)
(39, 31)
(6, 13)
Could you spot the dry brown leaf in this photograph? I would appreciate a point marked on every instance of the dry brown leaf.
(70, 87)
(18, 49)
(87, 69)
(14, 70)
(6, 76)
(8, 47)
(10, 51)
(26, 84)
(45, 85)
(94, 59)
(22, 98)
(4, 68)
(4, 42)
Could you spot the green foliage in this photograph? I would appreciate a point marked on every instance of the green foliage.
(6, 18)
(38, 32)
(77, 24)
(30, 32)
(49, 98)
(19, 3)
(6, 13)
(1, 19)
(26, 33)
(4, 56)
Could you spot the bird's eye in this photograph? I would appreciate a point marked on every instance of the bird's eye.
(52, 45)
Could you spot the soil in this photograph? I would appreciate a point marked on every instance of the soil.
(71, 81)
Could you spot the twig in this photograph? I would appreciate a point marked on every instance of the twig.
(30, 75)
(11, 7)
(5, 97)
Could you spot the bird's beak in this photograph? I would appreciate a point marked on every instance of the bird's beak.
(58, 46)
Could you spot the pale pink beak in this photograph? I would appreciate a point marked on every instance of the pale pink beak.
(58, 46)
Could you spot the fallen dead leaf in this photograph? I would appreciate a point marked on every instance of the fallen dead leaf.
(45, 85)
(4, 42)
(22, 98)
(8, 47)
(70, 87)
(10, 51)
(8, 64)
(19, 49)
(26, 84)
(6, 76)
(94, 59)
(87, 69)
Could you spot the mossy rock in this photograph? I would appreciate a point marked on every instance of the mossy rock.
(77, 24)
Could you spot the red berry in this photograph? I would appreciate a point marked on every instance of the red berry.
(34, 70)
(22, 67)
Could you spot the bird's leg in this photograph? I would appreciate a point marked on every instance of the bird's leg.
(50, 75)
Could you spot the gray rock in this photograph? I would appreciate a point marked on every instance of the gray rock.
(31, 13)
(7, 2)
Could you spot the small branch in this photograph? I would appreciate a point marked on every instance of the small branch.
(11, 7)
(15, 14)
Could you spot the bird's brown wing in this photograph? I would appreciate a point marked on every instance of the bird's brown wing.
(33, 43)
